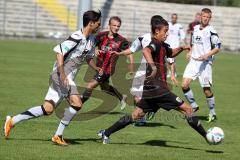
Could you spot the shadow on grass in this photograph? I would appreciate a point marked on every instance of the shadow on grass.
(71, 141)
(78, 140)
(162, 143)
(156, 124)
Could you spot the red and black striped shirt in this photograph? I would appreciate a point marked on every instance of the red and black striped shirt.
(105, 59)
(159, 52)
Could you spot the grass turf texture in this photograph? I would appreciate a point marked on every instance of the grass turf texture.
(24, 73)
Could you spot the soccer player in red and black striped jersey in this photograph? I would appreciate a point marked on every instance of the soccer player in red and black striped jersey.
(107, 42)
(156, 93)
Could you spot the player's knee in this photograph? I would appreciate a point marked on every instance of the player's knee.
(48, 108)
(207, 91)
(187, 109)
(76, 104)
(137, 114)
(184, 86)
(89, 86)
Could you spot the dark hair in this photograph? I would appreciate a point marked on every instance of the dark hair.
(157, 23)
(89, 16)
(206, 10)
(116, 18)
(154, 18)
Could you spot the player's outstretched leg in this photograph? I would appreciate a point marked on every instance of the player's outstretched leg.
(192, 120)
(33, 112)
(86, 95)
(120, 124)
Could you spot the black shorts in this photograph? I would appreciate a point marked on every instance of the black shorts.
(103, 78)
(166, 101)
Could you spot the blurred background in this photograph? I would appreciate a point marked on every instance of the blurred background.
(56, 19)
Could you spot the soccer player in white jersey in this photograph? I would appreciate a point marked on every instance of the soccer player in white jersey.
(137, 85)
(70, 54)
(176, 35)
(205, 44)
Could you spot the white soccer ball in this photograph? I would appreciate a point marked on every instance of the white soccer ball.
(215, 135)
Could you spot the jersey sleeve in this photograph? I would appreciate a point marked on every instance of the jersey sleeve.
(216, 43)
(168, 51)
(152, 46)
(68, 45)
(136, 45)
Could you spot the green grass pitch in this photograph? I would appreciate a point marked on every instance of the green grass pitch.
(24, 73)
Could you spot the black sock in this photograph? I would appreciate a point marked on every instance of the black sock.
(113, 91)
(194, 122)
(86, 95)
(120, 124)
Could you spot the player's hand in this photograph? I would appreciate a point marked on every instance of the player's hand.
(98, 69)
(203, 57)
(186, 47)
(98, 52)
(152, 75)
(174, 80)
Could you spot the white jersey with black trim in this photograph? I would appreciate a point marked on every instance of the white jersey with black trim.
(141, 42)
(204, 40)
(175, 34)
(75, 50)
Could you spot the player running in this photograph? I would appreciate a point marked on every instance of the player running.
(70, 54)
(174, 39)
(137, 85)
(156, 93)
(107, 42)
(205, 44)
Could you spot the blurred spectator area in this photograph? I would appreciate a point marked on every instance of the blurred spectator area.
(58, 18)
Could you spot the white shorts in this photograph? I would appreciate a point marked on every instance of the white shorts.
(57, 93)
(138, 81)
(201, 70)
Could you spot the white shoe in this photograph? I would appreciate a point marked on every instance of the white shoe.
(105, 139)
(123, 102)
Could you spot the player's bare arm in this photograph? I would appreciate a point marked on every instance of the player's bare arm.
(149, 59)
(92, 64)
(60, 63)
(177, 51)
(209, 54)
(125, 52)
(189, 53)
(173, 71)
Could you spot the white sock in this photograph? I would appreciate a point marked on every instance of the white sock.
(190, 97)
(211, 105)
(29, 114)
(68, 116)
